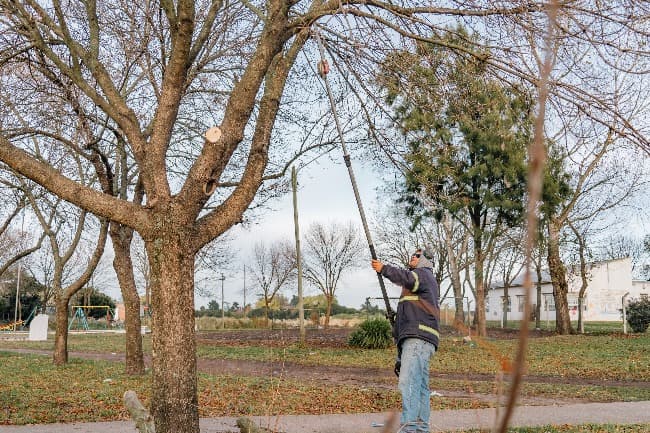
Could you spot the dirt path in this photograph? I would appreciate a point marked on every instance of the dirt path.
(356, 376)
(362, 377)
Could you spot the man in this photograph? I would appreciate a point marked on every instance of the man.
(417, 334)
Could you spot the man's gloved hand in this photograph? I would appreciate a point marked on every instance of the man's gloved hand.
(398, 365)
(377, 265)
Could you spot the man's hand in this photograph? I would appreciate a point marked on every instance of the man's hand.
(398, 366)
(377, 265)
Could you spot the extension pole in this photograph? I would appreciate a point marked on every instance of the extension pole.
(346, 157)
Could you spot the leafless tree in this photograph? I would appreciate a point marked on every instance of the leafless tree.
(73, 265)
(636, 248)
(508, 261)
(158, 74)
(273, 267)
(331, 249)
(15, 242)
(603, 177)
(445, 240)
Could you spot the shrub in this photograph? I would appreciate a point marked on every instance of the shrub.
(372, 334)
(638, 314)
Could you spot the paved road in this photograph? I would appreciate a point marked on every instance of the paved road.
(445, 420)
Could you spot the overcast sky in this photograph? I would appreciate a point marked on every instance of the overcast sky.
(324, 194)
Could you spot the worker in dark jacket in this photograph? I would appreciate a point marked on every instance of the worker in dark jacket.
(416, 333)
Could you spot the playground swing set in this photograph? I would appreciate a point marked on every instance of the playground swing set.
(11, 326)
(80, 316)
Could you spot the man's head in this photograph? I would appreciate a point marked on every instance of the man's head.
(419, 259)
(415, 259)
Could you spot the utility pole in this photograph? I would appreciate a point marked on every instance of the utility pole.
(20, 271)
(301, 307)
(223, 311)
(244, 306)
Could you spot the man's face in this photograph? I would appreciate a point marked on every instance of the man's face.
(415, 258)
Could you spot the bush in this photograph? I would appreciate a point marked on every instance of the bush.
(372, 334)
(638, 314)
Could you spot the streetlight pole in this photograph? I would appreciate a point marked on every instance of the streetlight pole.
(301, 306)
(223, 312)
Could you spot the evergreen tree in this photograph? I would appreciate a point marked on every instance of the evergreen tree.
(467, 133)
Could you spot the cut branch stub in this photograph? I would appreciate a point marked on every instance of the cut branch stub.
(213, 134)
(143, 420)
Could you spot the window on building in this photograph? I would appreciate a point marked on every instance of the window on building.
(549, 302)
(521, 303)
(572, 299)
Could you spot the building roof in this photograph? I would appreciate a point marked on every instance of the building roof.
(519, 280)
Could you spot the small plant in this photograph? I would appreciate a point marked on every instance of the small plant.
(638, 314)
(372, 334)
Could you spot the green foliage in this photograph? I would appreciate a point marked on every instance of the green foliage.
(372, 334)
(468, 131)
(98, 298)
(557, 182)
(27, 303)
(30, 290)
(638, 315)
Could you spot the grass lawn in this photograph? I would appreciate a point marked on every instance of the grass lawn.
(601, 357)
(32, 390)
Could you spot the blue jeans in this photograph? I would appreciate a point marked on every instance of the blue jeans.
(414, 385)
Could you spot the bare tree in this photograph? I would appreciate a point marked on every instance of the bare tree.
(14, 242)
(636, 248)
(70, 273)
(273, 267)
(446, 240)
(330, 250)
(456, 240)
(602, 179)
(158, 74)
(508, 265)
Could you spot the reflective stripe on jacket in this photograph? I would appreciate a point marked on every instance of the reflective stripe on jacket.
(417, 312)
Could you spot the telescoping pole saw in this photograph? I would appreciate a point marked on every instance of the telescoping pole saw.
(323, 69)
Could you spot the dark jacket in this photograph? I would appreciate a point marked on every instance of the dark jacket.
(418, 312)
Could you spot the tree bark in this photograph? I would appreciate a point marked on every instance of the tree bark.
(121, 237)
(559, 281)
(505, 303)
(174, 400)
(481, 327)
(60, 355)
(328, 310)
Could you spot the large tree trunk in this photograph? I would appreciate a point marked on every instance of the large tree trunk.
(174, 400)
(559, 281)
(504, 319)
(121, 237)
(328, 310)
(60, 355)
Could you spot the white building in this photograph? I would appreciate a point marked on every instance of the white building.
(608, 282)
